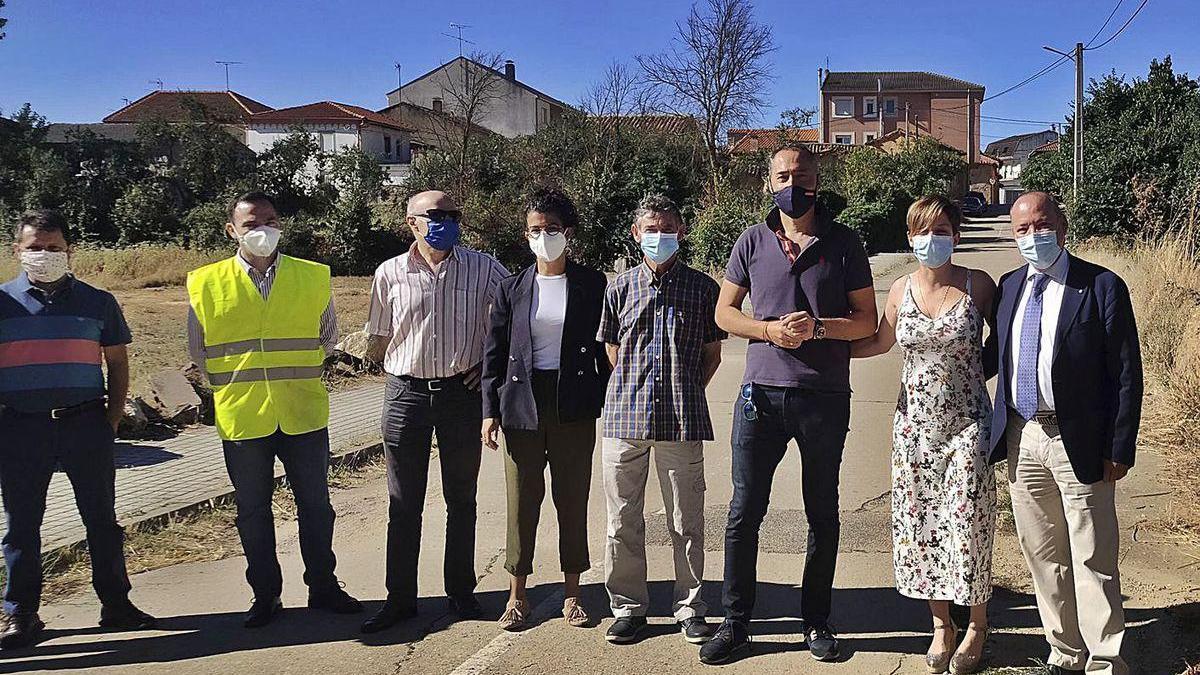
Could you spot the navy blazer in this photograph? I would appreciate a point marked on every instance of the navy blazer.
(1096, 372)
(508, 353)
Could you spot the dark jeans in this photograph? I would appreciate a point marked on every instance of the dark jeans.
(251, 466)
(411, 415)
(818, 421)
(567, 447)
(31, 449)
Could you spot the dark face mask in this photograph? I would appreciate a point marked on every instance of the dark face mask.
(795, 202)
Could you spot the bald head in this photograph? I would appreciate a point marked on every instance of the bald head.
(1038, 212)
(423, 202)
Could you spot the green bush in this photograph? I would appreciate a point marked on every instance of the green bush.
(718, 225)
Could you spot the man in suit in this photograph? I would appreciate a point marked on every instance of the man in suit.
(1068, 403)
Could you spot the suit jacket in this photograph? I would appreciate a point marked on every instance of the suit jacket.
(508, 353)
(1096, 372)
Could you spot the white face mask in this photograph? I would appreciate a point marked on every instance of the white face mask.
(261, 241)
(548, 247)
(45, 267)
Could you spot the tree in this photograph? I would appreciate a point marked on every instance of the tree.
(717, 71)
(472, 89)
(288, 171)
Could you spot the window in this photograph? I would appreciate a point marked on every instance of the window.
(387, 146)
(889, 106)
(328, 141)
(869, 136)
(843, 106)
(869, 106)
(844, 139)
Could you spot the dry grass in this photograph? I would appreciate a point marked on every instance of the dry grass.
(1164, 281)
(145, 266)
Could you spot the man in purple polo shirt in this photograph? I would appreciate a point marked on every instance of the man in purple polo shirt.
(811, 287)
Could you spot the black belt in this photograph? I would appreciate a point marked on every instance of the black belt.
(1045, 419)
(434, 385)
(60, 413)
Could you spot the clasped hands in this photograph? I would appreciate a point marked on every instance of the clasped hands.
(790, 330)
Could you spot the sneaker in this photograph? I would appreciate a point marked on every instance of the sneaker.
(822, 643)
(695, 630)
(626, 630)
(730, 639)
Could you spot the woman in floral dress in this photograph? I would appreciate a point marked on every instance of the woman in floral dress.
(943, 490)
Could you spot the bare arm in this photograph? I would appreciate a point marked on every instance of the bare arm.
(732, 320)
(116, 358)
(862, 320)
(710, 360)
(612, 351)
(885, 337)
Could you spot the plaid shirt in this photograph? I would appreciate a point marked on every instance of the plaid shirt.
(656, 391)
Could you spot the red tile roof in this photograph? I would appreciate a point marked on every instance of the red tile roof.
(1052, 146)
(672, 125)
(327, 112)
(745, 141)
(869, 81)
(169, 106)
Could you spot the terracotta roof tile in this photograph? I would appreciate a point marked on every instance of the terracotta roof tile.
(327, 112)
(745, 141)
(169, 106)
(867, 81)
(673, 125)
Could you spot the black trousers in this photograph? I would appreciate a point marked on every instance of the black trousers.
(251, 466)
(411, 416)
(818, 422)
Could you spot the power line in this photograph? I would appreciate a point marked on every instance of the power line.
(1105, 24)
(1123, 26)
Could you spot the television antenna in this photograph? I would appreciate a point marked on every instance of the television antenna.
(399, 82)
(158, 83)
(227, 64)
(458, 27)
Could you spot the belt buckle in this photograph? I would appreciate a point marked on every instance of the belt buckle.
(433, 385)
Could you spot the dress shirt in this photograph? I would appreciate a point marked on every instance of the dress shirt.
(1052, 298)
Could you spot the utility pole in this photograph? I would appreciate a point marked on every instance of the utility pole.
(970, 130)
(399, 84)
(227, 64)
(1077, 140)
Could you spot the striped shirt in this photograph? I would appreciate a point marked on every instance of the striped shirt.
(436, 319)
(263, 282)
(656, 391)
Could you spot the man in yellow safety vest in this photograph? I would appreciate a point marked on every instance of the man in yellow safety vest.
(260, 327)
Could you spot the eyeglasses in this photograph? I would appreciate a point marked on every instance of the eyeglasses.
(535, 232)
(749, 410)
(440, 215)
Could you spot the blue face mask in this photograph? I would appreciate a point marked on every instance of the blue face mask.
(1041, 249)
(932, 250)
(659, 246)
(443, 234)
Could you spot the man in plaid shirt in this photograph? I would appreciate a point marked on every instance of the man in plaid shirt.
(664, 344)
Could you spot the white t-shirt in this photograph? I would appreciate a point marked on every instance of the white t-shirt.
(546, 315)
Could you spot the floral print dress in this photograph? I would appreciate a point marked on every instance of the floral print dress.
(943, 490)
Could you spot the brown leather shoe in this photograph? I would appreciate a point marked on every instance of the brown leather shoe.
(22, 631)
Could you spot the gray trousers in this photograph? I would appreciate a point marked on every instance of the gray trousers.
(626, 467)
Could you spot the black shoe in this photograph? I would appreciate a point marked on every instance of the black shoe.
(22, 630)
(695, 630)
(389, 615)
(125, 617)
(731, 637)
(466, 607)
(822, 643)
(333, 599)
(263, 611)
(626, 630)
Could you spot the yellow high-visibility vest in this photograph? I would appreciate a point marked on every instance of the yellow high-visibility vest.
(264, 357)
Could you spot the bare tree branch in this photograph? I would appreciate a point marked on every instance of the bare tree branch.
(472, 86)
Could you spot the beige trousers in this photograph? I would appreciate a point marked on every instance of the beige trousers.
(626, 467)
(1069, 536)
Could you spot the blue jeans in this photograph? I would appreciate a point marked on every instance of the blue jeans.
(82, 445)
(818, 422)
(251, 466)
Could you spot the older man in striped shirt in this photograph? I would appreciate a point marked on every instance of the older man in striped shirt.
(427, 321)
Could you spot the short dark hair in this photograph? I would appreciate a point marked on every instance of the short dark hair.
(553, 202)
(42, 220)
(251, 197)
(803, 150)
(656, 203)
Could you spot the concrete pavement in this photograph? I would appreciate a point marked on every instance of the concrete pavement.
(882, 632)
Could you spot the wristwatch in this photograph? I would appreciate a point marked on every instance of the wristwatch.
(818, 329)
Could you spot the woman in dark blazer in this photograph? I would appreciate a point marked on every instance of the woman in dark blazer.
(544, 377)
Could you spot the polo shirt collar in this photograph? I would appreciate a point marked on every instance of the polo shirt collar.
(824, 218)
(22, 284)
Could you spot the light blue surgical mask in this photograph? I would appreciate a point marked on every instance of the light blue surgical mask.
(933, 250)
(1041, 248)
(660, 246)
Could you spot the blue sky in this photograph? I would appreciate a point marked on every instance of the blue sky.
(75, 60)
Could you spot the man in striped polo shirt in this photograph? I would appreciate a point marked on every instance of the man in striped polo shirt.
(427, 320)
(56, 410)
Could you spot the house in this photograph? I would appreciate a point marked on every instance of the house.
(860, 107)
(60, 133)
(229, 108)
(337, 126)
(1014, 153)
(749, 141)
(429, 129)
(981, 175)
(512, 108)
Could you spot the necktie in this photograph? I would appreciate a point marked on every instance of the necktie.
(1027, 358)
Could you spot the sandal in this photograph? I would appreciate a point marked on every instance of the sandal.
(940, 663)
(574, 613)
(514, 616)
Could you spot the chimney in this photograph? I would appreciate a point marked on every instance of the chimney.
(510, 70)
